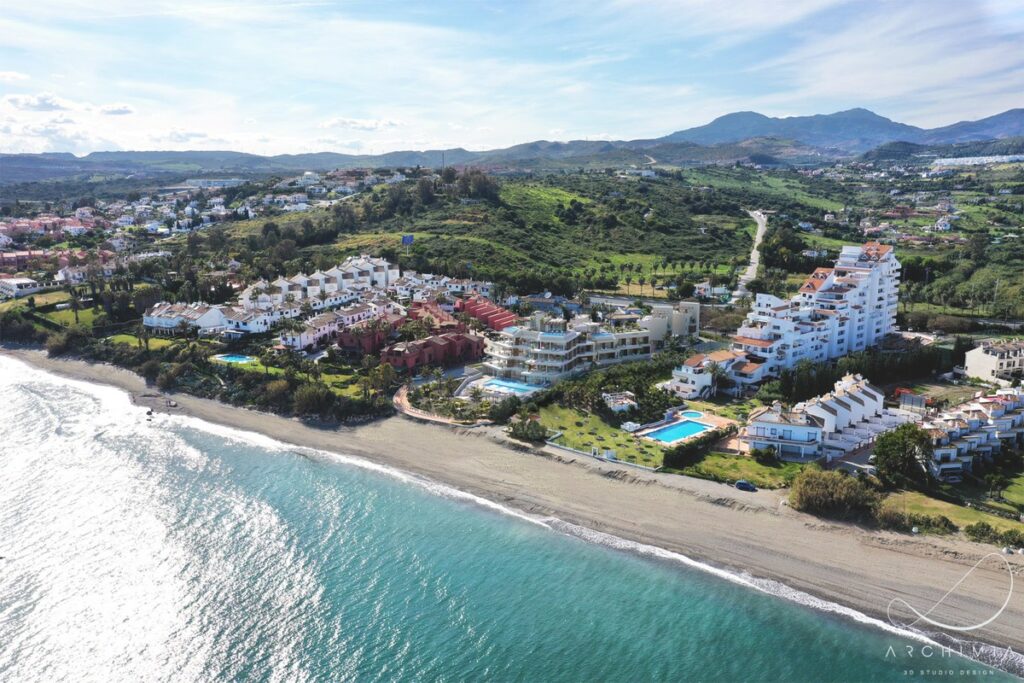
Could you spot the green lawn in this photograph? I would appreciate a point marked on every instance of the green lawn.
(67, 317)
(41, 299)
(1015, 491)
(582, 431)
(155, 343)
(733, 409)
(342, 383)
(919, 503)
(734, 467)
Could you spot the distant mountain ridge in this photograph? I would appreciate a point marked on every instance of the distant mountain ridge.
(740, 136)
(853, 130)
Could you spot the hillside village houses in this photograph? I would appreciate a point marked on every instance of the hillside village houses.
(837, 311)
(342, 298)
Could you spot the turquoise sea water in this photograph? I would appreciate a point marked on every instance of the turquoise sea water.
(172, 550)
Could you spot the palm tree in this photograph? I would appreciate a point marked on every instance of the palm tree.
(364, 385)
(387, 375)
(75, 303)
(266, 359)
(718, 375)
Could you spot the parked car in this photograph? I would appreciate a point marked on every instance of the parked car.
(744, 485)
(872, 458)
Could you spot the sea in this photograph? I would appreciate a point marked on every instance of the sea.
(164, 548)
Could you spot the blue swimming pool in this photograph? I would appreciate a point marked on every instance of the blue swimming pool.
(683, 429)
(510, 386)
(691, 413)
(234, 358)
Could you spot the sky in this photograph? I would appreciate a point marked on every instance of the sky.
(277, 76)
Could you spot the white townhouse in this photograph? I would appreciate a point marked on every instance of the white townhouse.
(849, 417)
(13, 287)
(695, 377)
(165, 318)
(370, 270)
(241, 321)
(975, 429)
(996, 361)
(319, 329)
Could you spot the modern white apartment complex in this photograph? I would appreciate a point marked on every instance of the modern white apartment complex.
(838, 310)
(996, 361)
(849, 417)
(545, 349)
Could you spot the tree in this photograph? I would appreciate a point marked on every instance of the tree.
(719, 377)
(901, 454)
(313, 399)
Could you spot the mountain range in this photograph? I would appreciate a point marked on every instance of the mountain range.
(740, 136)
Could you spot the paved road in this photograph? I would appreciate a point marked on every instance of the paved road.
(755, 256)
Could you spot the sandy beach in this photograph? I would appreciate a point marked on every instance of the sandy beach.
(754, 534)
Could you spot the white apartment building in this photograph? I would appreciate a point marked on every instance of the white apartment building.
(996, 361)
(975, 429)
(667, 320)
(13, 287)
(165, 318)
(840, 310)
(849, 417)
(546, 349)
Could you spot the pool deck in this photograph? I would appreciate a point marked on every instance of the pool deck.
(706, 419)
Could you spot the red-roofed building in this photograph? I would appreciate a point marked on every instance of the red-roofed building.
(443, 349)
(495, 317)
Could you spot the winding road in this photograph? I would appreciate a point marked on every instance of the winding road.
(755, 256)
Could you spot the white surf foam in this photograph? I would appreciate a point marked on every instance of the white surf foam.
(767, 586)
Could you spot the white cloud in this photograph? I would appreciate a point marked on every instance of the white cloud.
(181, 136)
(117, 109)
(361, 124)
(12, 76)
(42, 102)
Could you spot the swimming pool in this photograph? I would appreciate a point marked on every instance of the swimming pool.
(691, 413)
(677, 431)
(234, 358)
(509, 386)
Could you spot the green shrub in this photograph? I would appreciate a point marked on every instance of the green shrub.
(313, 399)
(150, 370)
(832, 494)
(983, 532)
(528, 430)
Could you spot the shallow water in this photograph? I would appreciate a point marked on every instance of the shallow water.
(170, 549)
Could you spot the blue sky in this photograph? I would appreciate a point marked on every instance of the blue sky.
(271, 76)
